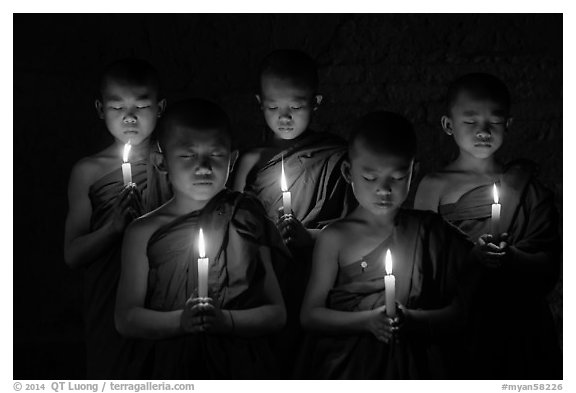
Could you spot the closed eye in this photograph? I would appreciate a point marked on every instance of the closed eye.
(369, 178)
(143, 107)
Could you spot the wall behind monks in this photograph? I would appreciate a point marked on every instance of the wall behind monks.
(366, 62)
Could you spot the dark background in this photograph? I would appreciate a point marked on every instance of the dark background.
(366, 62)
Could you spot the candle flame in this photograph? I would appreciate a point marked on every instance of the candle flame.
(495, 193)
(388, 262)
(283, 184)
(201, 247)
(127, 148)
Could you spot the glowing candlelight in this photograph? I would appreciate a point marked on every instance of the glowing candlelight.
(390, 286)
(496, 207)
(126, 167)
(286, 195)
(202, 267)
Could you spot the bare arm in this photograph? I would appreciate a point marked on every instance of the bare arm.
(247, 162)
(81, 247)
(427, 195)
(132, 319)
(314, 314)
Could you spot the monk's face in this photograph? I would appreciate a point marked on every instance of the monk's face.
(130, 111)
(197, 161)
(287, 106)
(477, 124)
(380, 181)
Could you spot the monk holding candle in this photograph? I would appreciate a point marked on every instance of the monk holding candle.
(106, 192)
(308, 161)
(353, 334)
(222, 335)
(512, 217)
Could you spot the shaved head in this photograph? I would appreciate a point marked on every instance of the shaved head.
(196, 114)
(383, 133)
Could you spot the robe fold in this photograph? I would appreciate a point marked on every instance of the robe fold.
(235, 227)
(512, 330)
(107, 351)
(320, 195)
(428, 257)
(312, 167)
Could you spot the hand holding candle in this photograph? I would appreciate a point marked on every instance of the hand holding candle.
(202, 267)
(126, 168)
(286, 196)
(390, 286)
(496, 207)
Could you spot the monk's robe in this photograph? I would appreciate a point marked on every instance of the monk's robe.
(106, 349)
(428, 257)
(320, 195)
(511, 328)
(235, 227)
(312, 167)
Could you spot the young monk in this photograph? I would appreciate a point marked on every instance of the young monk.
(521, 259)
(101, 205)
(223, 335)
(344, 303)
(288, 97)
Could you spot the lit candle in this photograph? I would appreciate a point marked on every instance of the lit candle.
(202, 267)
(390, 286)
(496, 207)
(286, 196)
(126, 168)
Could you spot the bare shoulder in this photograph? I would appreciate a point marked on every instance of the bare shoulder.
(250, 157)
(88, 169)
(246, 162)
(143, 227)
(333, 234)
(429, 191)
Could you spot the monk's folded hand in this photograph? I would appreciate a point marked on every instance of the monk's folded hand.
(293, 232)
(216, 320)
(127, 207)
(489, 254)
(135, 198)
(380, 325)
(192, 320)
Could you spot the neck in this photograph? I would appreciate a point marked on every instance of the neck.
(379, 223)
(284, 143)
(183, 204)
(469, 163)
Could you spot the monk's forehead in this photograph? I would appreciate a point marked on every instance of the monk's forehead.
(376, 150)
(181, 134)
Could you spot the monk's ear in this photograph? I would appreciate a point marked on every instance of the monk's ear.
(161, 107)
(159, 161)
(509, 122)
(258, 99)
(415, 169)
(345, 169)
(99, 108)
(447, 125)
(317, 101)
(233, 159)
